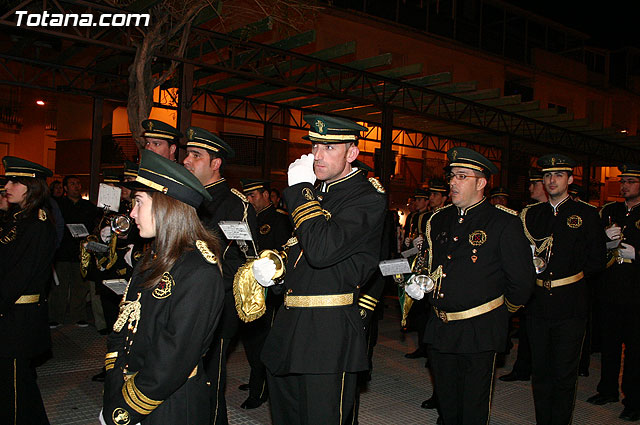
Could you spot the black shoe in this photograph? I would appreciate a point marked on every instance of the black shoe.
(431, 403)
(251, 403)
(600, 399)
(53, 325)
(82, 323)
(243, 387)
(104, 331)
(98, 377)
(510, 377)
(416, 354)
(630, 415)
(583, 372)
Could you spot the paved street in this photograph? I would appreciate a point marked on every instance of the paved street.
(394, 395)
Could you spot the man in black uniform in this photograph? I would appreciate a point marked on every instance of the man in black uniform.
(522, 366)
(274, 229)
(418, 219)
(620, 298)
(411, 205)
(499, 196)
(567, 236)
(317, 343)
(419, 313)
(161, 138)
(206, 156)
(71, 291)
(438, 195)
(536, 187)
(480, 262)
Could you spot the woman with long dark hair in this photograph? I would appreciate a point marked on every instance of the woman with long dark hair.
(170, 308)
(27, 245)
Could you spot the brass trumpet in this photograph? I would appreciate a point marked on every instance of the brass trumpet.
(280, 260)
(539, 263)
(120, 224)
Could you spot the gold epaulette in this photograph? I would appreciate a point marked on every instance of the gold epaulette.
(239, 195)
(282, 211)
(209, 256)
(526, 208)
(507, 210)
(376, 184)
(605, 205)
(586, 203)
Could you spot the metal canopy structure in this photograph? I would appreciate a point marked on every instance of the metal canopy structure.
(232, 77)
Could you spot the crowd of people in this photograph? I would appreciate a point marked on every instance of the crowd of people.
(186, 264)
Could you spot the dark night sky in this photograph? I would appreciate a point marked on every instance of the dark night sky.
(611, 24)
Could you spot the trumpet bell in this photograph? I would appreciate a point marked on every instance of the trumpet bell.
(120, 224)
(279, 258)
(425, 282)
(539, 264)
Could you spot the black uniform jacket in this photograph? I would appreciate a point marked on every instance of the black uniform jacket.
(578, 246)
(27, 245)
(177, 321)
(419, 222)
(338, 228)
(225, 205)
(484, 254)
(622, 280)
(274, 228)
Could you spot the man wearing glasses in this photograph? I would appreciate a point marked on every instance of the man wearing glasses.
(480, 264)
(569, 247)
(620, 299)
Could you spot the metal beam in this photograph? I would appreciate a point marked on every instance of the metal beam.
(339, 82)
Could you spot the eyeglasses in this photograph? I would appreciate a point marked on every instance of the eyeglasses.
(459, 176)
(625, 181)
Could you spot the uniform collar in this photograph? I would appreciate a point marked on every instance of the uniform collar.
(265, 208)
(632, 208)
(325, 187)
(466, 210)
(555, 208)
(215, 183)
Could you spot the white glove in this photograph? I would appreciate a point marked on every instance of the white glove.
(414, 291)
(613, 232)
(105, 234)
(301, 170)
(627, 251)
(417, 242)
(263, 271)
(127, 255)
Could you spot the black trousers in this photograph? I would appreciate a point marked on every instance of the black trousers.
(20, 399)
(216, 360)
(253, 336)
(318, 399)
(621, 326)
(418, 318)
(522, 365)
(463, 383)
(555, 349)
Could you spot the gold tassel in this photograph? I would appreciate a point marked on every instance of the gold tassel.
(248, 294)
